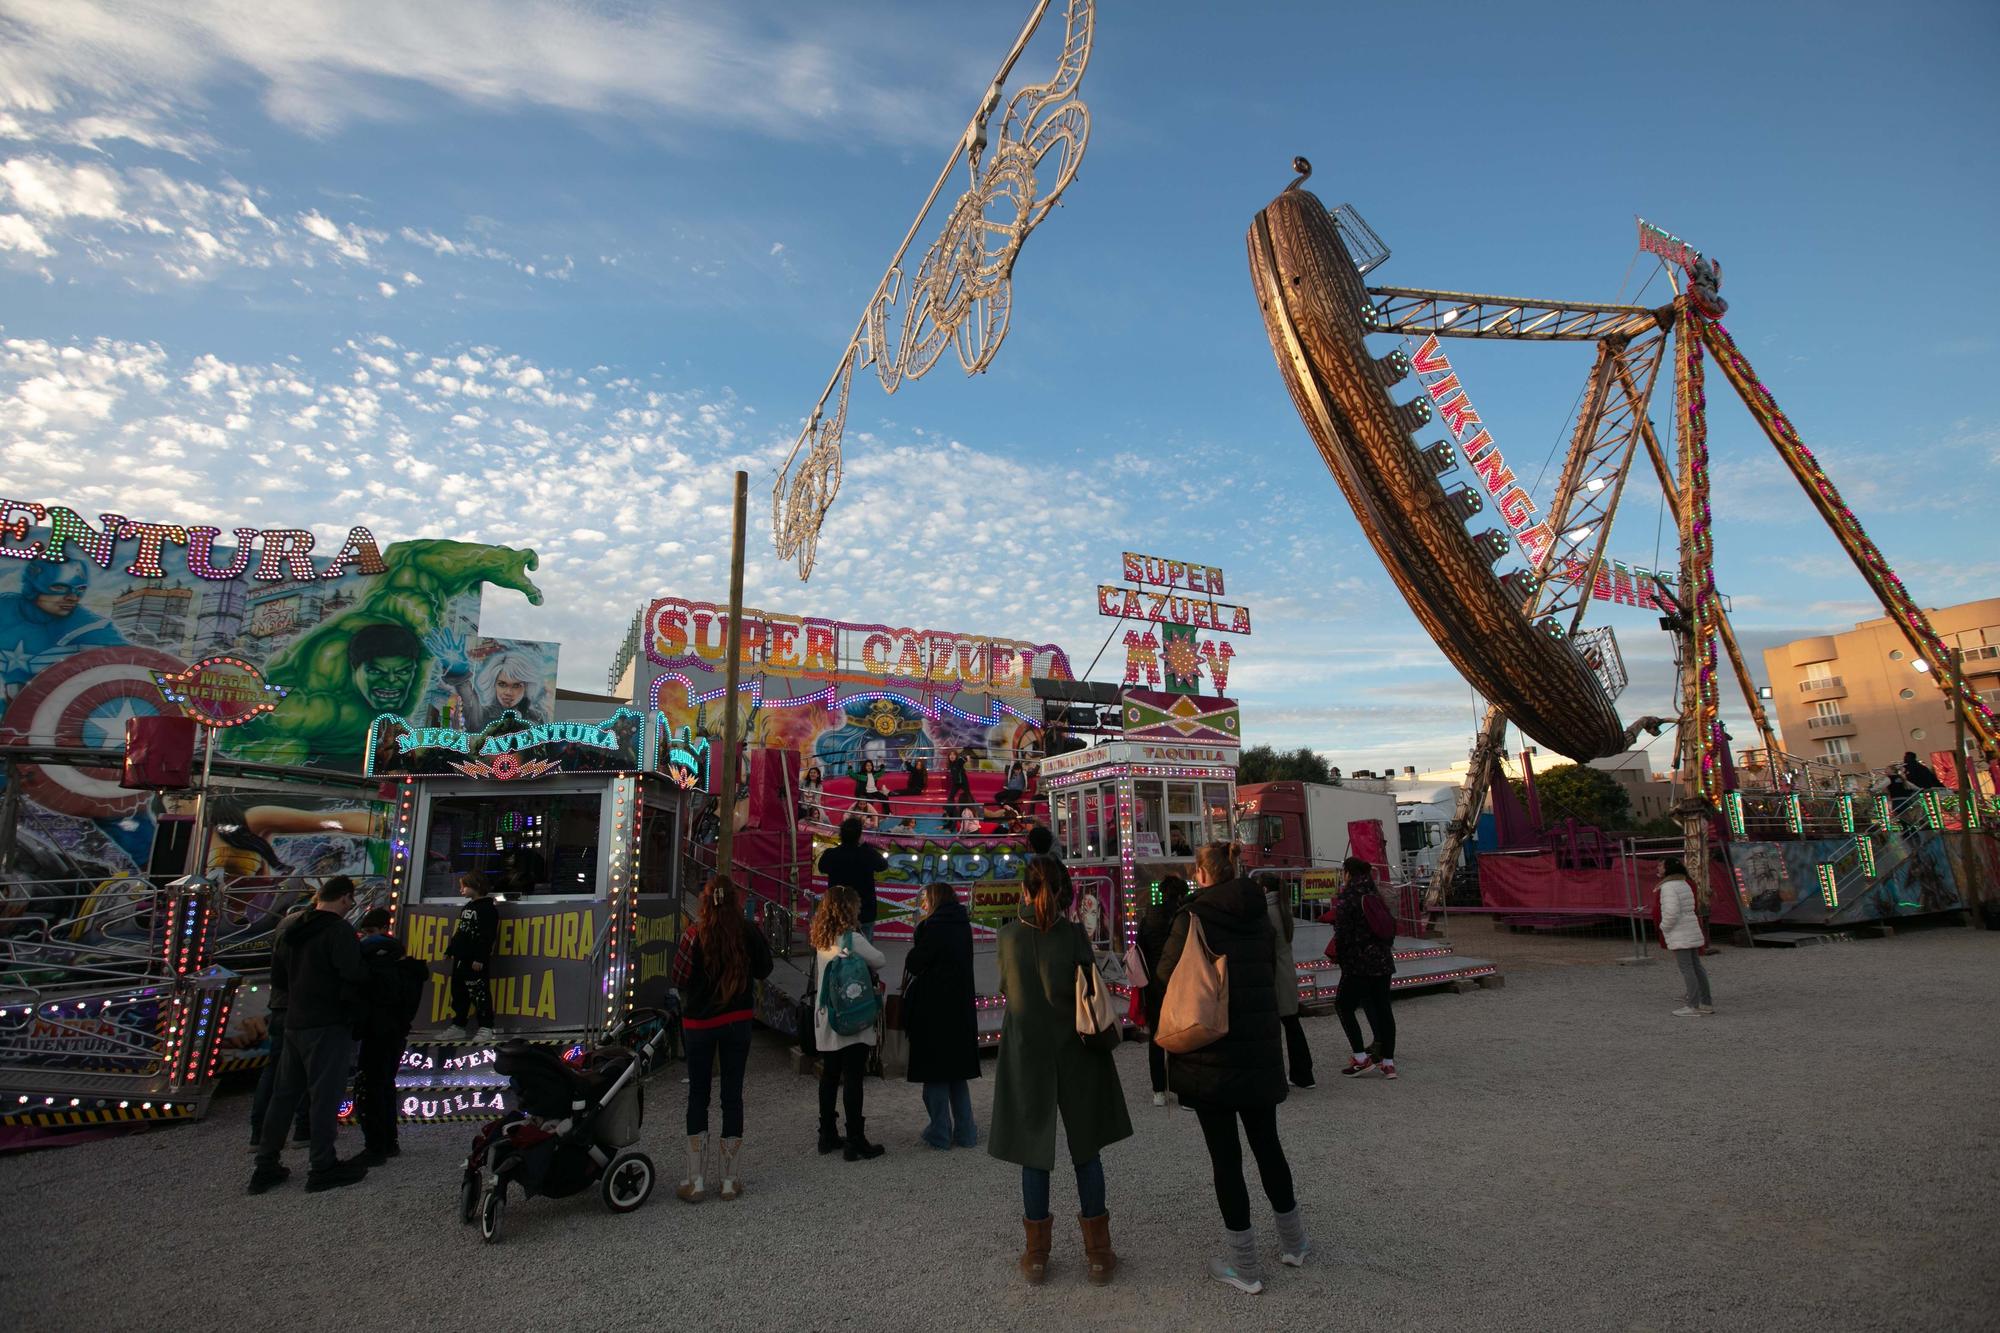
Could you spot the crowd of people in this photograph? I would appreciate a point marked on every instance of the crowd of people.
(883, 806)
(339, 994)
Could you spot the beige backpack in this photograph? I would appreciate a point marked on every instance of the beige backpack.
(1196, 1010)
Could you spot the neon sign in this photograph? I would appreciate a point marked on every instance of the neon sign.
(1166, 608)
(1455, 409)
(681, 633)
(687, 760)
(505, 750)
(220, 691)
(1205, 579)
(286, 553)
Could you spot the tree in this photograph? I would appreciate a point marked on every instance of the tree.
(1260, 763)
(1582, 792)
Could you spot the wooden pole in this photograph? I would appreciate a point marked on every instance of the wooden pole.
(725, 838)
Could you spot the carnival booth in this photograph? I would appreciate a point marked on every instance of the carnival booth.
(1133, 810)
(577, 825)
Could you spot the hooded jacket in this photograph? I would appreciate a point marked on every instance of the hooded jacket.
(1245, 1067)
(318, 966)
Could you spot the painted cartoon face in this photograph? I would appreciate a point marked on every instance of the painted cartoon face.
(60, 599)
(509, 693)
(387, 683)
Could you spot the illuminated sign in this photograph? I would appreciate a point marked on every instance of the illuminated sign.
(220, 691)
(682, 633)
(284, 553)
(687, 760)
(1203, 579)
(1656, 241)
(1169, 608)
(1455, 409)
(506, 749)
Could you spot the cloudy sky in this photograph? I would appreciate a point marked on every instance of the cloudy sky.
(544, 273)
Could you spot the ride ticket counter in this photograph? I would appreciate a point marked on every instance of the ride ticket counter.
(577, 827)
(1128, 812)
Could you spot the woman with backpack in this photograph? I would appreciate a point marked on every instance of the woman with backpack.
(1239, 1077)
(845, 1007)
(1154, 928)
(1364, 945)
(1045, 1071)
(719, 957)
(938, 1017)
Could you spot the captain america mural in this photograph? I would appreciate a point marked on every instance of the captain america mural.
(45, 621)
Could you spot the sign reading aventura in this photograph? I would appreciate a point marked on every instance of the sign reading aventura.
(509, 748)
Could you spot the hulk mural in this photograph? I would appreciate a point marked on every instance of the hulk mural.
(374, 659)
(89, 611)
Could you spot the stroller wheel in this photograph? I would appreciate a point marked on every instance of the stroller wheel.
(491, 1209)
(628, 1182)
(468, 1199)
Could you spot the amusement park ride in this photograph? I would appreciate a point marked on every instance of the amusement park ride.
(1516, 637)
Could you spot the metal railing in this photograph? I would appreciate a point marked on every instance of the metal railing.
(1811, 683)
(1827, 720)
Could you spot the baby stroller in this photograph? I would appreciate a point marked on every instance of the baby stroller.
(570, 1126)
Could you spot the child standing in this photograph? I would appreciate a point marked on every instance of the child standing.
(395, 988)
(471, 954)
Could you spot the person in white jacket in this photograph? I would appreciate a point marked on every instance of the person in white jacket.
(843, 1058)
(1680, 931)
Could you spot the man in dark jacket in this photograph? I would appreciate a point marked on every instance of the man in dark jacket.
(274, 1025)
(855, 864)
(319, 968)
(396, 985)
(1240, 1076)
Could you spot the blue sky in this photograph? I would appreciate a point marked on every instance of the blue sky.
(543, 274)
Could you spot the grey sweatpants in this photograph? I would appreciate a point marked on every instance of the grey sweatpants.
(1694, 975)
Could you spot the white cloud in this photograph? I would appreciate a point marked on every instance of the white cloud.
(18, 234)
(386, 288)
(323, 64)
(50, 189)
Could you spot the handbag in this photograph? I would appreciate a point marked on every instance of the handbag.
(1096, 1024)
(1135, 966)
(1196, 1011)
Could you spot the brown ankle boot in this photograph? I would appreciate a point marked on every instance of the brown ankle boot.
(1097, 1248)
(1035, 1255)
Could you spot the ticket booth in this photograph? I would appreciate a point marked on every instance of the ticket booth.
(578, 828)
(1129, 811)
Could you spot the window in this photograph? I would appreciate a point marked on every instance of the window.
(1827, 708)
(1895, 654)
(1916, 733)
(532, 844)
(1819, 671)
(1906, 693)
(1837, 749)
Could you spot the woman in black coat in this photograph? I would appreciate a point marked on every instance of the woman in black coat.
(1239, 1076)
(938, 1017)
(1154, 928)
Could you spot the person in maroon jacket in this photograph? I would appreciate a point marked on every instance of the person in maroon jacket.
(720, 957)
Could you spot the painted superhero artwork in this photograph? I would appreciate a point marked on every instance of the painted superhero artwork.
(91, 609)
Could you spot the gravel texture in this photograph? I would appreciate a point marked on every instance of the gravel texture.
(1561, 1153)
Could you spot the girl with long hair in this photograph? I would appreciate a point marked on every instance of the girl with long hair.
(720, 955)
(842, 1058)
(1045, 1072)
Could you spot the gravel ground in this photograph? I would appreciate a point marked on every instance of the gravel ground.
(1561, 1153)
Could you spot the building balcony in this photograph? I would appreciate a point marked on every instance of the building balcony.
(1832, 724)
(1823, 687)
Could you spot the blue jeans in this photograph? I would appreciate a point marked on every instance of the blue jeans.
(733, 1041)
(1089, 1191)
(950, 1107)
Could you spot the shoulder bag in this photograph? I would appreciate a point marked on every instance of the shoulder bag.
(1196, 1011)
(1096, 1024)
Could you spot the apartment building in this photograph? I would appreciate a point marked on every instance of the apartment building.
(1860, 698)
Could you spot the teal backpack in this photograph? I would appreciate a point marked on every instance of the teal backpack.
(847, 991)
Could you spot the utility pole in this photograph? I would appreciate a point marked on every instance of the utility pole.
(725, 838)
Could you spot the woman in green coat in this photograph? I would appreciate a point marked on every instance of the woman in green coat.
(1044, 1070)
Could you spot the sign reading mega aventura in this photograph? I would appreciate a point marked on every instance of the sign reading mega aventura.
(695, 634)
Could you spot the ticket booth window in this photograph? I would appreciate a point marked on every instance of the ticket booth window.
(531, 843)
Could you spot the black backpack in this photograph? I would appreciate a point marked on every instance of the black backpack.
(396, 986)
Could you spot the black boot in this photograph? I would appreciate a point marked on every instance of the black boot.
(829, 1135)
(858, 1147)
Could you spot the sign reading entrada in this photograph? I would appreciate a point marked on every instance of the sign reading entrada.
(285, 553)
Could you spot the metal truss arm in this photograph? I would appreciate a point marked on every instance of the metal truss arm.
(1415, 310)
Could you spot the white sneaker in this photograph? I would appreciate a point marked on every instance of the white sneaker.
(1159, 1099)
(1686, 1011)
(483, 1037)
